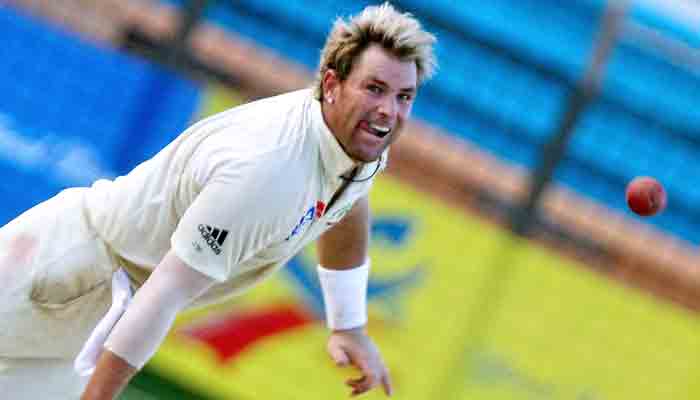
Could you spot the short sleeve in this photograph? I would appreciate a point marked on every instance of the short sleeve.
(221, 229)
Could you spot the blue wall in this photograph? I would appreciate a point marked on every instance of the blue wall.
(73, 112)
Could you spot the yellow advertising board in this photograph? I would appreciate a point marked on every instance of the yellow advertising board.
(560, 332)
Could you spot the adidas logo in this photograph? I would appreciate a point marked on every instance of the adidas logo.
(213, 236)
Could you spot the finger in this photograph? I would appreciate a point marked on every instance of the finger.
(370, 376)
(358, 385)
(386, 383)
(360, 389)
(339, 356)
(364, 384)
(355, 385)
(356, 381)
(362, 364)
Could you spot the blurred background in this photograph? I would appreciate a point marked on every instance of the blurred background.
(506, 263)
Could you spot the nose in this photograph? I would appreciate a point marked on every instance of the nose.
(388, 107)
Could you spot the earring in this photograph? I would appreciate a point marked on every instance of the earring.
(330, 100)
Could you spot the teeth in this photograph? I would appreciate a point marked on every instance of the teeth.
(379, 128)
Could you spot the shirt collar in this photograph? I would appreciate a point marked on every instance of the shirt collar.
(335, 161)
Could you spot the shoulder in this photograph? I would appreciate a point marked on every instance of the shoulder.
(267, 110)
(268, 137)
(264, 124)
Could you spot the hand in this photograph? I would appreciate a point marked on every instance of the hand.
(355, 347)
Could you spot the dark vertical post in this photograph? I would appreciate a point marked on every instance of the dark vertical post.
(191, 15)
(586, 90)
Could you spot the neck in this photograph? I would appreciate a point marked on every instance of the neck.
(328, 118)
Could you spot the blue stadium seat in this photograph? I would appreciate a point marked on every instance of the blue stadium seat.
(651, 85)
(555, 34)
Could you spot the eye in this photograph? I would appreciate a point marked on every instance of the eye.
(404, 97)
(375, 89)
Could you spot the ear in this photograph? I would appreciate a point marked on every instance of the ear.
(331, 85)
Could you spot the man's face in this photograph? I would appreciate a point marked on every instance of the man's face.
(367, 111)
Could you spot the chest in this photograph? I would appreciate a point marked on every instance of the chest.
(321, 210)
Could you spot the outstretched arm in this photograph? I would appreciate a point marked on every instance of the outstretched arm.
(144, 325)
(343, 271)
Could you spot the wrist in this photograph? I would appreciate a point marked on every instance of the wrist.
(360, 329)
(345, 296)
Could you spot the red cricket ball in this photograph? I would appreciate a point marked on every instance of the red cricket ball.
(645, 196)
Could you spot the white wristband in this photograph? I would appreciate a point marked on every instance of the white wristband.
(345, 296)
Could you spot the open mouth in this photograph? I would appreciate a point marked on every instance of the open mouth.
(378, 130)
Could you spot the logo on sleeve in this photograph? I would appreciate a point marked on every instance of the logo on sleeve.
(213, 236)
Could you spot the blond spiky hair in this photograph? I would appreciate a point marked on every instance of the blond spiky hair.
(399, 33)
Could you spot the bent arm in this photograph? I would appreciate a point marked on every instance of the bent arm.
(144, 325)
(344, 273)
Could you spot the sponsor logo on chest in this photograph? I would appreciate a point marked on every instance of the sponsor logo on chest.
(316, 211)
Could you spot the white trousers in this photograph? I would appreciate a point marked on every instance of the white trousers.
(56, 285)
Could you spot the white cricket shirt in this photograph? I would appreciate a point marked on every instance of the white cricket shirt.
(236, 195)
